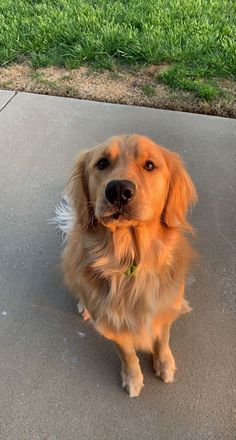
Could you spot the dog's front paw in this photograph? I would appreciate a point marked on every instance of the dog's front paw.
(132, 383)
(164, 367)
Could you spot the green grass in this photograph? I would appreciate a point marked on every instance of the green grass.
(37, 75)
(66, 78)
(148, 90)
(178, 77)
(196, 37)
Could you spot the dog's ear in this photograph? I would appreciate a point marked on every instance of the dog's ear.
(79, 192)
(182, 193)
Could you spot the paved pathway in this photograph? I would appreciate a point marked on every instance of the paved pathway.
(59, 380)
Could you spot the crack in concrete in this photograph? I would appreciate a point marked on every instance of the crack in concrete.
(8, 102)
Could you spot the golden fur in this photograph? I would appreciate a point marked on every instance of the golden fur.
(135, 311)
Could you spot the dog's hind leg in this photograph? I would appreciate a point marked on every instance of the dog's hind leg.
(83, 312)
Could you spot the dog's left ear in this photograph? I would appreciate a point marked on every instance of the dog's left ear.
(182, 193)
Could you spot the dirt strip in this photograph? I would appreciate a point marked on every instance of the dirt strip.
(137, 86)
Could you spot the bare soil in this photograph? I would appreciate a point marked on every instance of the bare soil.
(137, 86)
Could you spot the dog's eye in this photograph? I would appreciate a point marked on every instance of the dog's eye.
(149, 165)
(102, 164)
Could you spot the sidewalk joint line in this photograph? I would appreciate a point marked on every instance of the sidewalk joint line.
(8, 102)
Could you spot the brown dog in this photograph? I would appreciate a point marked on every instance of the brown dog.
(126, 253)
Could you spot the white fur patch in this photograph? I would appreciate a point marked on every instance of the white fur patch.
(64, 217)
(80, 308)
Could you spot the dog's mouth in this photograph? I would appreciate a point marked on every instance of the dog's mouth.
(118, 215)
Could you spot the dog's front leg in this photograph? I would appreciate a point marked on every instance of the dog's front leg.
(131, 375)
(163, 359)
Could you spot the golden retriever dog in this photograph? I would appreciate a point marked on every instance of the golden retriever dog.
(126, 253)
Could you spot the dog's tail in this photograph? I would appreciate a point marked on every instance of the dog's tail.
(64, 217)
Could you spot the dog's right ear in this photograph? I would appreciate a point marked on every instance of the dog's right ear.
(79, 192)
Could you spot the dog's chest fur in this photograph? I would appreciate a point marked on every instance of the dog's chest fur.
(117, 298)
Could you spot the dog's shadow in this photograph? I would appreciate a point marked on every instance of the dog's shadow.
(77, 343)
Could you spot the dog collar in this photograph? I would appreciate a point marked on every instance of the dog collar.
(131, 269)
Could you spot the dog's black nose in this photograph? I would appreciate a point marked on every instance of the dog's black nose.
(120, 192)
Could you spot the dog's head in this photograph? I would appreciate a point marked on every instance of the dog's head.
(130, 180)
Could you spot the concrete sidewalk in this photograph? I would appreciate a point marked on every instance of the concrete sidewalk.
(59, 379)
